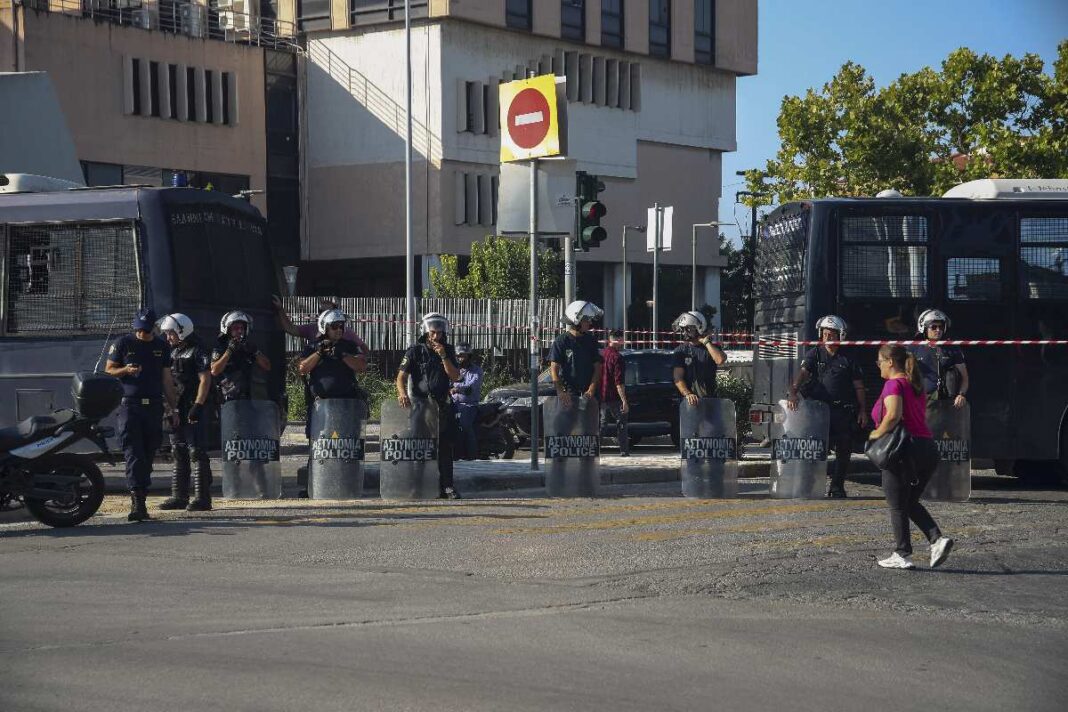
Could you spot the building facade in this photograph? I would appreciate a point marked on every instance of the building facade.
(155, 90)
(651, 108)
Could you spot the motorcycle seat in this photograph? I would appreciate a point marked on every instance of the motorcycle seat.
(485, 409)
(32, 428)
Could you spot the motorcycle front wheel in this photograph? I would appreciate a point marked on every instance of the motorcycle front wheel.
(70, 506)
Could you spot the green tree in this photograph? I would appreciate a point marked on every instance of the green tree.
(734, 292)
(499, 269)
(975, 117)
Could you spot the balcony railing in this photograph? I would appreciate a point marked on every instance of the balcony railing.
(225, 21)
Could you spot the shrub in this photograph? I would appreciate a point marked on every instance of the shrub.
(741, 392)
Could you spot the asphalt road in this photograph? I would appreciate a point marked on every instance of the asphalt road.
(640, 600)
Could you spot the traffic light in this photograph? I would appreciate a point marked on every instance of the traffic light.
(590, 211)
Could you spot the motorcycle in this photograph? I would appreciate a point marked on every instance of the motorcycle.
(60, 489)
(495, 432)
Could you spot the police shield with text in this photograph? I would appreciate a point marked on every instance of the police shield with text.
(429, 366)
(249, 421)
(338, 412)
(141, 361)
(830, 376)
(191, 368)
(573, 418)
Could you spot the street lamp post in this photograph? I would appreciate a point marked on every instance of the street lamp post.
(693, 253)
(639, 228)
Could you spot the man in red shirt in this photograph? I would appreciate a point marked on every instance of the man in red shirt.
(613, 394)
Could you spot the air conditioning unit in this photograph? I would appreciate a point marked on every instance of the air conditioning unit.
(147, 18)
(233, 21)
(192, 20)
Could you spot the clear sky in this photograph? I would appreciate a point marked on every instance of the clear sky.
(803, 43)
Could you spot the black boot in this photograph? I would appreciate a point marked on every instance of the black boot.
(179, 483)
(201, 489)
(836, 488)
(138, 509)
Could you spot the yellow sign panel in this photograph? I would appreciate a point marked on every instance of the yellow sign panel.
(530, 126)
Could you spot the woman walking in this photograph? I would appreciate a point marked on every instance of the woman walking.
(902, 401)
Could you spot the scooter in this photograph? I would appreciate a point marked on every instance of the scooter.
(60, 489)
(495, 432)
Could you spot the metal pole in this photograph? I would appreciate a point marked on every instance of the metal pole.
(408, 242)
(625, 300)
(693, 268)
(656, 274)
(535, 346)
(751, 269)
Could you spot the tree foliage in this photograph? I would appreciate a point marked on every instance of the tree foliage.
(734, 290)
(976, 117)
(499, 269)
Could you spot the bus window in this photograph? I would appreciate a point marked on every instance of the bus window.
(780, 259)
(1044, 258)
(66, 279)
(879, 258)
(973, 279)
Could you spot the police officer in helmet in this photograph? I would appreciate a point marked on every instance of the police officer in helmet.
(575, 356)
(332, 362)
(942, 368)
(831, 376)
(696, 360)
(430, 366)
(191, 368)
(141, 361)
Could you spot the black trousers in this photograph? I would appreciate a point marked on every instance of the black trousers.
(448, 433)
(140, 435)
(903, 486)
(843, 425)
(189, 442)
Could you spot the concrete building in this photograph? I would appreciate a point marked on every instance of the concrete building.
(150, 89)
(651, 108)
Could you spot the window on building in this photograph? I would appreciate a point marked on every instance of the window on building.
(172, 90)
(153, 88)
(573, 20)
(704, 31)
(367, 11)
(313, 15)
(209, 95)
(101, 173)
(660, 28)
(517, 14)
(136, 66)
(612, 23)
(190, 94)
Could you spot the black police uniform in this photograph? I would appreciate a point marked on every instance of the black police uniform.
(426, 373)
(831, 381)
(140, 417)
(332, 378)
(700, 368)
(941, 379)
(189, 441)
(238, 382)
(577, 356)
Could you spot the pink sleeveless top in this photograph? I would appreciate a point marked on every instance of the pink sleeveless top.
(914, 407)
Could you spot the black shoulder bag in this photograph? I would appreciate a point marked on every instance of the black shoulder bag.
(887, 451)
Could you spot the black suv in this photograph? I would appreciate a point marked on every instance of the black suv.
(653, 398)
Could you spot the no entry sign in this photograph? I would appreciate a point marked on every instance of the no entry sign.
(529, 119)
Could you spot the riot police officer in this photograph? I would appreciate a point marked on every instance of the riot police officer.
(191, 368)
(235, 357)
(945, 376)
(430, 366)
(332, 362)
(141, 361)
(833, 377)
(697, 359)
(575, 356)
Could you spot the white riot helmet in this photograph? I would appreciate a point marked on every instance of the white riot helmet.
(689, 319)
(433, 321)
(579, 310)
(230, 317)
(180, 324)
(929, 317)
(831, 321)
(331, 316)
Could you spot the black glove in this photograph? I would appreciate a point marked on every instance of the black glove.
(325, 348)
(235, 345)
(194, 413)
(249, 347)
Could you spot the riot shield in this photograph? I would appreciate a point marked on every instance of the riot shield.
(799, 450)
(251, 469)
(952, 431)
(409, 446)
(336, 464)
(572, 447)
(708, 445)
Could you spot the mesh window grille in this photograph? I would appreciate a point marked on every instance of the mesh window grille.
(879, 259)
(884, 228)
(1044, 267)
(780, 258)
(973, 279)
(75, 278)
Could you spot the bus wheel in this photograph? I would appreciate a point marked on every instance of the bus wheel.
(1038, 473)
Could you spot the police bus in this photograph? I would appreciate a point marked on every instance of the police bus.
(78, 264)
(992, 254)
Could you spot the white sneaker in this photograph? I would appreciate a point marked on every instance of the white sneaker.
(940, 550)
(897, 561)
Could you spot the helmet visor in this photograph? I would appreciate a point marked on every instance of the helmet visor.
(436, 325)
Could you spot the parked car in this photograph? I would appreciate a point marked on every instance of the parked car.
(653, 398)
